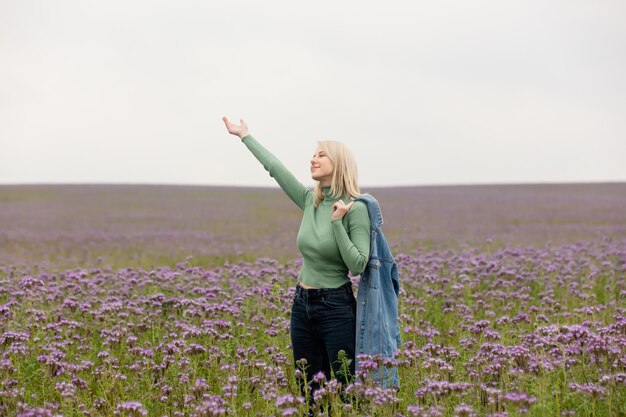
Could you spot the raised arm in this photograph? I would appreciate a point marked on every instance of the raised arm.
(285, 179)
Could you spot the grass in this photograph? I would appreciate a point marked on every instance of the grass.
(134, 280)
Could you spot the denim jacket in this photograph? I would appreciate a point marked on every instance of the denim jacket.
(378, 332)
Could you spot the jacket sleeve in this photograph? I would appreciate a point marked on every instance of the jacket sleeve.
(290, 185)
(354, 238)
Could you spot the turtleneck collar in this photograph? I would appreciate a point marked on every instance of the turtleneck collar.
(328, 195)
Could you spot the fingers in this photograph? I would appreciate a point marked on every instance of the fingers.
(340, 209)
(230, 125)
(343, 206)
(338, 204)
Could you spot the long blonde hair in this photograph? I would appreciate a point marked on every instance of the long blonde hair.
(344, 182)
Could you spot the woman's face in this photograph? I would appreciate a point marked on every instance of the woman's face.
(321, 167)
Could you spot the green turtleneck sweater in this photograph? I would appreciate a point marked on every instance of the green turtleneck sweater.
(329, 248)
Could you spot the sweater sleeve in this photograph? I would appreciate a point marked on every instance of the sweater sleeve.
(290, 185)
(354, 243)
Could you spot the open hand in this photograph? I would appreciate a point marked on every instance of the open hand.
(340, 209)
(240, 130)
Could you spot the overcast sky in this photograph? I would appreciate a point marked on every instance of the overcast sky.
(437, 92)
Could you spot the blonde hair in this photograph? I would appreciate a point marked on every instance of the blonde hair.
(344, 182)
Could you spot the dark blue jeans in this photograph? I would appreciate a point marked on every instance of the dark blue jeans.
(323, 323)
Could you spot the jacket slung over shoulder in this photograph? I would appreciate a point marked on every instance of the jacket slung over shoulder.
(378, 332)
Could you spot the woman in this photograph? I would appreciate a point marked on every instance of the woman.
(334, 239)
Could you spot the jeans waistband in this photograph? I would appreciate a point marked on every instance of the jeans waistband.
(320, 292)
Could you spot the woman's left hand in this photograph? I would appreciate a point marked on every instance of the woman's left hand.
(340, 209)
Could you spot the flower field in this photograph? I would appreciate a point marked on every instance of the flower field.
(175, 301)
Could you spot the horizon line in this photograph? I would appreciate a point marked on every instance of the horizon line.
(590, 182)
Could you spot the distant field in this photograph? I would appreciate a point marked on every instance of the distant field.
(175, 301)
(139, 225)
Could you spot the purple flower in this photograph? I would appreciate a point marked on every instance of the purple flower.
(130, 408)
